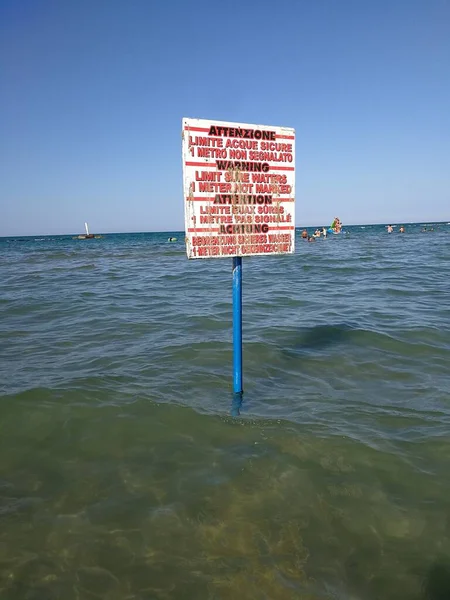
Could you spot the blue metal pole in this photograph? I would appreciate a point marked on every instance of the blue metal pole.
(237, 325)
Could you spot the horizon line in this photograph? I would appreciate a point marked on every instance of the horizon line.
(422, 221)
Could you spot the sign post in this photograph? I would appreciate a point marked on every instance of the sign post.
(239, 199)
(238, 388)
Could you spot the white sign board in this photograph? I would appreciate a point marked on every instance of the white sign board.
(239, 189)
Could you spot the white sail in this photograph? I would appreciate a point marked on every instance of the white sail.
(87, 228)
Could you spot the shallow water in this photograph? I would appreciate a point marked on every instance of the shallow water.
(123, 475)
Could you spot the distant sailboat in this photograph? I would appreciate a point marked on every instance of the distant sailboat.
(87, 235)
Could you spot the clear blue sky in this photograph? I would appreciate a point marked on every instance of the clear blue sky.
(92, 93)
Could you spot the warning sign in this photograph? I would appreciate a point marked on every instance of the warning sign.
(239, 189)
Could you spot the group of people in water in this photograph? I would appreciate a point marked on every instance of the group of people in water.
(335, 227)
(317, 234)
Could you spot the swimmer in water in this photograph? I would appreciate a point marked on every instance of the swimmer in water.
(336, 226)
(324, 231)
(402, 229)
(304, 234)
(390, 229)
(311, 239)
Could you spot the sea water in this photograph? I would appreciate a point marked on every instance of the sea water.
(123, 475)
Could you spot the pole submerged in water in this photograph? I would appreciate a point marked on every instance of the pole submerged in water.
(237, 327)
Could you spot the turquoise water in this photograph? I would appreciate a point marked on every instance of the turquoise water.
(123, 475)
